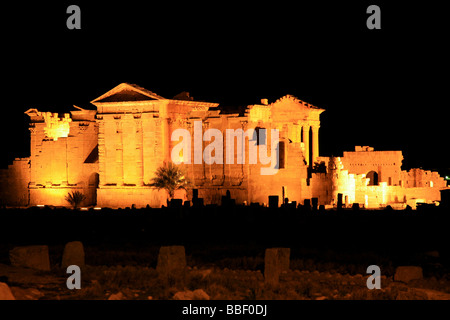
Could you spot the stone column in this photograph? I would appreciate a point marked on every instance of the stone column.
(119, 151)
(106, 150)
(306, 142)
(101, 151)
(128, 150)
(140, 153)
(149, 157)
(315, 143)
(32, 129)
(165, 138)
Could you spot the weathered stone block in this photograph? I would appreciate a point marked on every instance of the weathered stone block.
(176, 203)
(314, 203)
(273, 201)
(339, 201)
(408, 273)
(73, 255)
(26, 294)
(198, 294)
(197, 202)
(276, 261)
(171, 262)
(307, 204)
(5, 292)
(35, 257)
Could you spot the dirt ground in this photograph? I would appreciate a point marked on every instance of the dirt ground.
(142, 283)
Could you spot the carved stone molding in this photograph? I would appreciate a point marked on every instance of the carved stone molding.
(200, 108)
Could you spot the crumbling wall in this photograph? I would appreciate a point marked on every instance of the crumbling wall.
(417, 177)
(63, 157)
(114, 197)
(321, 188)
(14, 183)
(387, 164)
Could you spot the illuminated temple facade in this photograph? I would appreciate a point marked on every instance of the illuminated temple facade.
(111, 154)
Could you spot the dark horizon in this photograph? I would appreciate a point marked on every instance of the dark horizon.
(380, 88)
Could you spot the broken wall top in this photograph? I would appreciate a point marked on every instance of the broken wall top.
(286, 109)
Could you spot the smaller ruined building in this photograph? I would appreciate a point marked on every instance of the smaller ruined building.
(111, 153)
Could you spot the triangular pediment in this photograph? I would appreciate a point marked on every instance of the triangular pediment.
(289, 100)
(127, 92)
(290, 107)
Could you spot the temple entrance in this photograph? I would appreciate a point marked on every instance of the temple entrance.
(373, 176)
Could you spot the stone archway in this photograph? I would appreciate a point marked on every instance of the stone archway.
(373, 176)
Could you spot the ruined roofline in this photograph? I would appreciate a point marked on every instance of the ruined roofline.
(149, 96)
(291, 98)
(127, 86)
(143, 97)
(368, 149)
(297, 100)
(76, 115)
(133, 106)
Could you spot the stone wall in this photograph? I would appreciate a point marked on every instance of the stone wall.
(387, 164)
(422, 178)
(321, 188)
(111, 155)
(114, 197)
(14, 183)
(63, 161)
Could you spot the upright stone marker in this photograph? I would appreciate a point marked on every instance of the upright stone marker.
(275, 262)
(171, 263)
(35, 257)
(314, 203)
(73, 255)
(339, 201)
(273, 201)
(5, 292)
(307, 204)
(408, 273)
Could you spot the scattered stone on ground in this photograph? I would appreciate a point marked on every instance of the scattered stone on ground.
(34, 257)
(116, 296)
(198, 294)
(5, 292)
(30, 284)
(407, 273)
(26, 294)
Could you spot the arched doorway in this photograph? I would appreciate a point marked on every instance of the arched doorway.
(373, 176)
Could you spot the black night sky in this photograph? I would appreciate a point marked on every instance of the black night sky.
(383, 88)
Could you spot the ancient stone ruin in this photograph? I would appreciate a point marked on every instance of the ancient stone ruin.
(276, 261)
(35, 257)
(73, 254)
(171, 265)
(110, 155)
